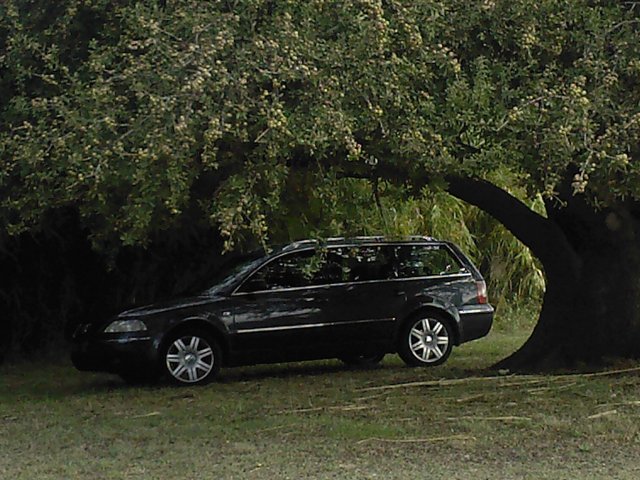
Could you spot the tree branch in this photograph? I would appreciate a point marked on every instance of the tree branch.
(543, 236)
(501, 205)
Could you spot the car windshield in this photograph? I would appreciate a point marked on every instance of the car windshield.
(235, 268)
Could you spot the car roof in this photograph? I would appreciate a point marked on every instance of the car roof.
(351, 241)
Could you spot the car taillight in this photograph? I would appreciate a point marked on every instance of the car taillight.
(481, 288)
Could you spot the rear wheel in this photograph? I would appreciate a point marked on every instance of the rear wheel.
(191, 357)
(425, 340)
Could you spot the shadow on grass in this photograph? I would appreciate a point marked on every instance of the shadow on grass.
(50, 382)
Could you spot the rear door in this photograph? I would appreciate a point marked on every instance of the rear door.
(366, 304)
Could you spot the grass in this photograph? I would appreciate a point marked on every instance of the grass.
(320, 420)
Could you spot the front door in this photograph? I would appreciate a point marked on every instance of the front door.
(279, 314)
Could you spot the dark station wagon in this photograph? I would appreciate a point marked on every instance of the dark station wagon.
(354, 299)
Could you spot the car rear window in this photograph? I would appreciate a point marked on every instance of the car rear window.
(425, 261)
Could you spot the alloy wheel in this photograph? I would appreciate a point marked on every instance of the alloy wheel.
(428, 340)
(190, 359)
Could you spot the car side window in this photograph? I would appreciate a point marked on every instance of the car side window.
(424, 261)
(298, 269)
(323, 267)
(287, 271)
(366, 263)
(331, 268)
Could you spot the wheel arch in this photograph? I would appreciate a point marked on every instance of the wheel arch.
(199, 324)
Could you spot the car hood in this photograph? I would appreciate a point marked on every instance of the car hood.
(168, 305)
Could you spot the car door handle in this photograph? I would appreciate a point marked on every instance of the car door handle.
(399, 293)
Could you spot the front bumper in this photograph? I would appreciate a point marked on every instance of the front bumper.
(475, 321)
(122, 353)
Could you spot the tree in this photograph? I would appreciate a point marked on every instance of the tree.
(221, 106)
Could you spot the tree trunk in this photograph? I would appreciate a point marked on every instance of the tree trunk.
(592, 314)
(591, 306)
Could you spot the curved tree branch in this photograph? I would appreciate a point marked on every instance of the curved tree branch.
(543, 236)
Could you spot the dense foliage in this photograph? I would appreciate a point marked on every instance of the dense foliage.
(119, 108)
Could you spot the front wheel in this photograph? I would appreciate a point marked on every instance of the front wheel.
(191, 357)
(425, 340)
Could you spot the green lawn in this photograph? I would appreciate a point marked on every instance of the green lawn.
(320, 420)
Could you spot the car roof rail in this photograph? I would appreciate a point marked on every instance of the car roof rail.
(360, 238)
(298, 244)
(422, 238)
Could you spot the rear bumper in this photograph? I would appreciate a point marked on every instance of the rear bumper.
(114, 355)
(475, 321)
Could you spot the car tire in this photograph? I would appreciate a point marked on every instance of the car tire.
(425, 340)
(362, 361)
(191, 357)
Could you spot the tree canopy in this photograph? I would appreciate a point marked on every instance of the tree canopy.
(121, 108)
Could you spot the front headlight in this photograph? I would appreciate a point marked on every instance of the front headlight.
(124, 326)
